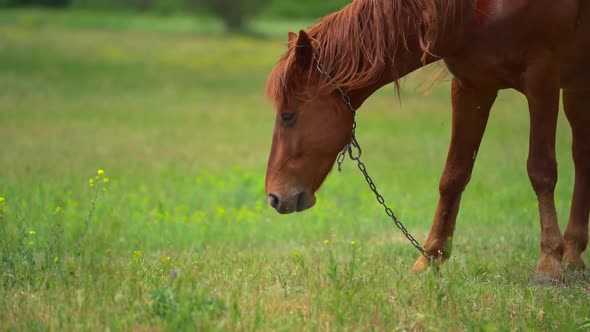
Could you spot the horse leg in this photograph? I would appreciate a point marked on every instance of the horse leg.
(471, 108)
(541, 87)
(577, 109)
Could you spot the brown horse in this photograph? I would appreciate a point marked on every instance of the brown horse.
(534, 46)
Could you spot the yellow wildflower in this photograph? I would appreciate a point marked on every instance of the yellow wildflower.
(100, 172)
(105, 180)
(326, 241)
(353, 243)
(32, 232)
(2, 200)
(137, 253)
(91, 181)
(165, 258)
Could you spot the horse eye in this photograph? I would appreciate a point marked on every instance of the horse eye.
(287, 116)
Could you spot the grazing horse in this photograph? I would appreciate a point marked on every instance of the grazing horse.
(534, 46)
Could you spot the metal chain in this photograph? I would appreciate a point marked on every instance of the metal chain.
(354, 152)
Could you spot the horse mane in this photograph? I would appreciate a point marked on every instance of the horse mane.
(357, 42)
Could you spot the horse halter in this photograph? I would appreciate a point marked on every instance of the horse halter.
(354, 152)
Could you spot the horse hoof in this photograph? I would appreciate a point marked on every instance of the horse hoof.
(421, 264)
(545, 279)
(575, 264)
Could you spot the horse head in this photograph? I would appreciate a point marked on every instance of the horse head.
(312, 126)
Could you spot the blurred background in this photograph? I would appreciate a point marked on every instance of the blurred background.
(167, 96)
(166, 99)
(233, 14)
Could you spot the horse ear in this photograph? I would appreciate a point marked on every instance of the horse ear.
(292, 36)
(303, 50)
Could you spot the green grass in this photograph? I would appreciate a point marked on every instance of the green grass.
(182, 238)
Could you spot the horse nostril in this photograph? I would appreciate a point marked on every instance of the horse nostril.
(273, 200)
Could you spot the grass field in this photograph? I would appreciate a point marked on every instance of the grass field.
(181, 237)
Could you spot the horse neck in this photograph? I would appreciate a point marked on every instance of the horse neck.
(401, 65)
(410, 55)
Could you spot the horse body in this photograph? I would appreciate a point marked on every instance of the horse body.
(575, 68)
(494, 51)
(534, 46)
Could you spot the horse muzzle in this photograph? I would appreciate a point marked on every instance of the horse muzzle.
(285, 204)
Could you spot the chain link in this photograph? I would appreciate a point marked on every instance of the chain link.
(354, 152)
